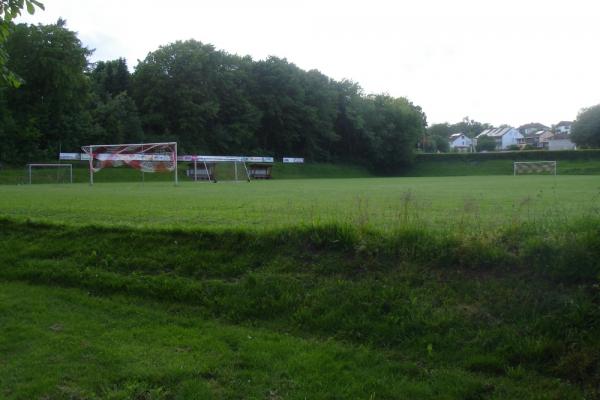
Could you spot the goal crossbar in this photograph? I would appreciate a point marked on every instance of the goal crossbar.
(148, 157)
(41, 165)
(203, 166)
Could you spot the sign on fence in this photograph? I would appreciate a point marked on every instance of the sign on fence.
(291, 160)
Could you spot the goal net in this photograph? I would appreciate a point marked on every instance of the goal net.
(146, 157)
(216, 168)
(534, 167)
(49, 173)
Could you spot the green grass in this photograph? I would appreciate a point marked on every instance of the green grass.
(315, 313)
(382, 203)
(68, 344)
(379, 288)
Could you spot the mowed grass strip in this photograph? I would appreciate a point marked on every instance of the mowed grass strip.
(465, 203)
(65, 343)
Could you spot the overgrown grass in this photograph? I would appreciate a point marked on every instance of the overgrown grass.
(68, 344)
(493, 307)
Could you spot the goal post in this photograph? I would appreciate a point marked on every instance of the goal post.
(534, 167)
(146, 157)
(216, 168)
(57, 167)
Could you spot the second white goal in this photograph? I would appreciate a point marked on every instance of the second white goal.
(534, 167)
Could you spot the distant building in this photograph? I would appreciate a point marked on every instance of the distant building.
(563, 127)
(537, 139)
(561, 142)
(460, 142)
(504, 137)
(532, 127)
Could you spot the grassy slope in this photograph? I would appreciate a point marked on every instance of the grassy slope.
(335, 321)
(123, 348)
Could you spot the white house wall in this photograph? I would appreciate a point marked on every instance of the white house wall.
(561, 144)
(461, 142)
(510, 138)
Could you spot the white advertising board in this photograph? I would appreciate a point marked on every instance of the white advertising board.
(292, 160)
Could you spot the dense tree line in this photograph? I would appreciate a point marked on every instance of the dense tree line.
(207, 100)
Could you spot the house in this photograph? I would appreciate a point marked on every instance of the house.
(460, 142)
(532, 127)
(561, 142)
(563, 127)
(537, 139)
(544, 138)
(504, 137)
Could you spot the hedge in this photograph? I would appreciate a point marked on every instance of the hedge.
(593, 154)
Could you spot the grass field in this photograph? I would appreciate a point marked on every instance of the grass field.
(369, 288)
(384, 203)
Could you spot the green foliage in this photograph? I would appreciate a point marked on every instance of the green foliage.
(458, 166)
(9, 10)
(116, 121)
(111, 78)
(50, 109)
(435, 144)
(586, 128)
(207, 100)
(189, 92)
(393, 127)
(441, 130)
(486, 143)
(469, 127)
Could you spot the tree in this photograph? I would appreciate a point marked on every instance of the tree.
(585, 131)
(435, 143)
(188, 91)
(111, 78)
(116, 120)
(51, 109)
(9, 10)
(350, 123)
(299, 109)
(486, 143)
(469, 127)
(394, 126)
(441, 130)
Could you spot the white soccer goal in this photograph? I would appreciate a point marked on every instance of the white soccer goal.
(146, 157)
(216, 168)
(534, 167)
(50, 173)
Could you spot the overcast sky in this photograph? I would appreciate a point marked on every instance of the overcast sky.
(502, 62)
